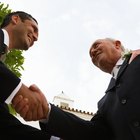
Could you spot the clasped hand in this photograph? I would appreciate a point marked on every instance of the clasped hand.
(31, 106)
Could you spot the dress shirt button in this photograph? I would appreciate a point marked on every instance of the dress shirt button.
(123, 101)
(136, 124)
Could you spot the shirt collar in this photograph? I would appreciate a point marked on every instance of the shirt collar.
(117, 66)
(120, 61)
(6, 37)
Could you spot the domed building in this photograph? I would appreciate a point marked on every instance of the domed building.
(66, 103)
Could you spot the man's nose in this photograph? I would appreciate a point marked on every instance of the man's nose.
(35, 36)
(92, 52)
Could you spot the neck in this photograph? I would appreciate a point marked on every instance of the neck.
(10, 38)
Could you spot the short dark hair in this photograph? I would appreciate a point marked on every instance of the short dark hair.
(23, 16)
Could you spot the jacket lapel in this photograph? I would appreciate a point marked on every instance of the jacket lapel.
(2, 45)
(1, 38)
(112, 83)
(123, 67)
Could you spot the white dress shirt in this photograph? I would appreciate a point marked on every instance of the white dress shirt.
(117, 67)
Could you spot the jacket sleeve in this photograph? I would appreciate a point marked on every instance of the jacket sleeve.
(8, 82)
(70, 127)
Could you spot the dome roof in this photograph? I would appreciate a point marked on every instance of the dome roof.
(62, 96)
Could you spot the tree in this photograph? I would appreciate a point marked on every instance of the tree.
(13, 59)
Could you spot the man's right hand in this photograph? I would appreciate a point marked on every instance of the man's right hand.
(30, 103)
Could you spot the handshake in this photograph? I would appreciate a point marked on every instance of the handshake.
(31, 103)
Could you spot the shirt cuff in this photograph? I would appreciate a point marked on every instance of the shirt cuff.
(9, 99)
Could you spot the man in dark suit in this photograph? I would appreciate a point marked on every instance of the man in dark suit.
(118, 115)
(19, 30)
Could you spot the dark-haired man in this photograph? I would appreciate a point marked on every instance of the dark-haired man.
(19, 30)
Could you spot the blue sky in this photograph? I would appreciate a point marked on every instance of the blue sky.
(60, 60)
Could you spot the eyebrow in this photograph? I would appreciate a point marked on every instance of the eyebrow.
(36, 29)
(95, 43)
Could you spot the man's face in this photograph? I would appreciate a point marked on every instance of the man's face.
(25, 33)
(104, 54)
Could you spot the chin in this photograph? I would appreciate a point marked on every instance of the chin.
(25, 48)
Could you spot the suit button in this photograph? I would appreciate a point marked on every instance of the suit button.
(123, 101)
(136, 124)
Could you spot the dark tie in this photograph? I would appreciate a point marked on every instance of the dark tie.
(111, 84)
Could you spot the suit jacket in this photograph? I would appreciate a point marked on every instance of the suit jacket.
(10, 127)
(118, 115)
(2, 45)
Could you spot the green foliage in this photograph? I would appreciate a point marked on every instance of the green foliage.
(4, 11)
(14, 61)
(14, 58)
(11, 109)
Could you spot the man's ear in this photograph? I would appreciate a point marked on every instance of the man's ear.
(117, 44)
(15, 19)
